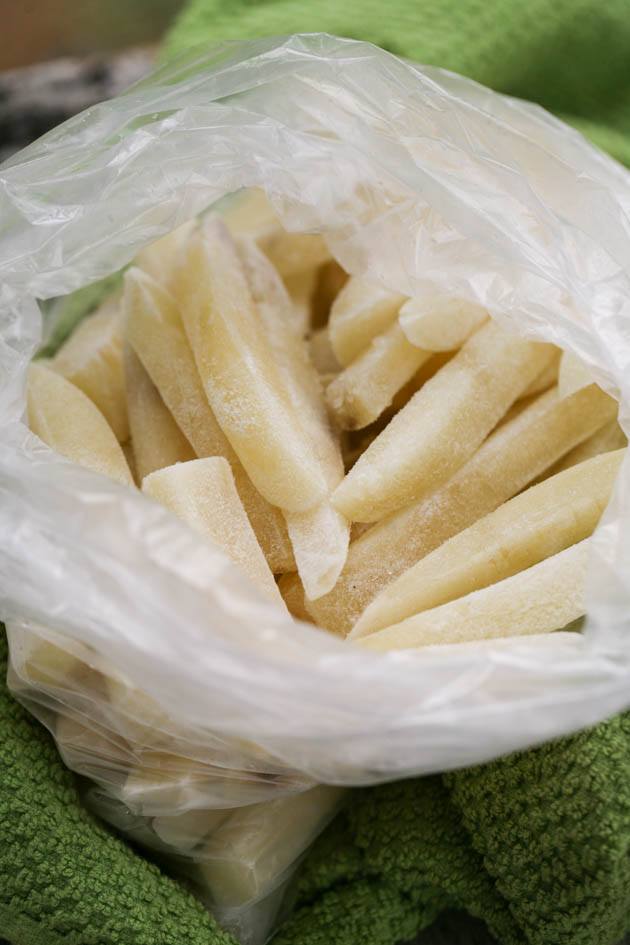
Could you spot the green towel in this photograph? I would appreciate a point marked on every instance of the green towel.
(572, 56)
(536, 845)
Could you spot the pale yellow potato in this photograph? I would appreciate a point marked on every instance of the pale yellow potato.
(546, 379)
(322, 354)
(91, 749)
(301, 287)
(156, 332)
(250, 214)
(157, 440)
(544, 598)
(331, 278)
(239, 374)
(130, 456)
(319, 535)
(609, 437)
(203, 494)
(572, 374)
(164, 782)
(514, 455)
(185, 831)
(91, 359)
(160, 259)
(292, 592)
(361, 310)
(256, 844)
(64, 665)
(538, 523)
(135, 714)
(442, 425)
(69, 422)
(440, 324)
(367, 386)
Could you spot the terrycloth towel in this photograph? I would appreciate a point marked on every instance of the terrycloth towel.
(572, 56)
(537, 844)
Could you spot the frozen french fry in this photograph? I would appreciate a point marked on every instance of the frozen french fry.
(91, 359)
(368, 385)
(442, 425)
(159, 260)
(331, 278)
(130, 457)
(361, 310)
(609, 437)
(162, 782)
(544, 598)
(253, 848)
(514, 455)
(157, 440)
(203, 494)
(90, 749)
(251, 215)
(292, 592)
(301, 288)
(572, 374)
(319, 535)
(240, 377)
(185, 831)
(70, 423)
(546, 379)
(440, 323)
(322, 354)
(156, 333)
(538, 523)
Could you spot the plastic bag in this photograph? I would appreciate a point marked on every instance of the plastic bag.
(431, 184)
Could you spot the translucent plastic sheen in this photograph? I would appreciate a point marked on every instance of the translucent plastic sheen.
(418, 177)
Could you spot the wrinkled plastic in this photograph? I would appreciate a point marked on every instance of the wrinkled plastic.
(425, 181)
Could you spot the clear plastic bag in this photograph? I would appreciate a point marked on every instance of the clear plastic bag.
(431, 184)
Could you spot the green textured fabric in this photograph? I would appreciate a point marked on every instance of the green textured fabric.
(64, 878)
(572, 56)
(537, 845)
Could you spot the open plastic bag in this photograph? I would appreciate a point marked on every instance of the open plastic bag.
(431, 184)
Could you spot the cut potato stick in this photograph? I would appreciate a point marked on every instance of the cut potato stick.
(156, 333)
(440, 323)
(572, 374)
(510, 458)
(91, 359)
(160, 259)
(331, 278)
(185, 831)
(322, 354)
(69, 422)
(361, 310)
(239, 374)
(157, 440)
(546, 379)
(256, 845)
(203, 494)
(292, 592)
(442, 425)
(544, 598)
(130, 456)
(368, 385)
(609, 437)
(301, 288)
(251, 215)
(320, 535)
(538, 523)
